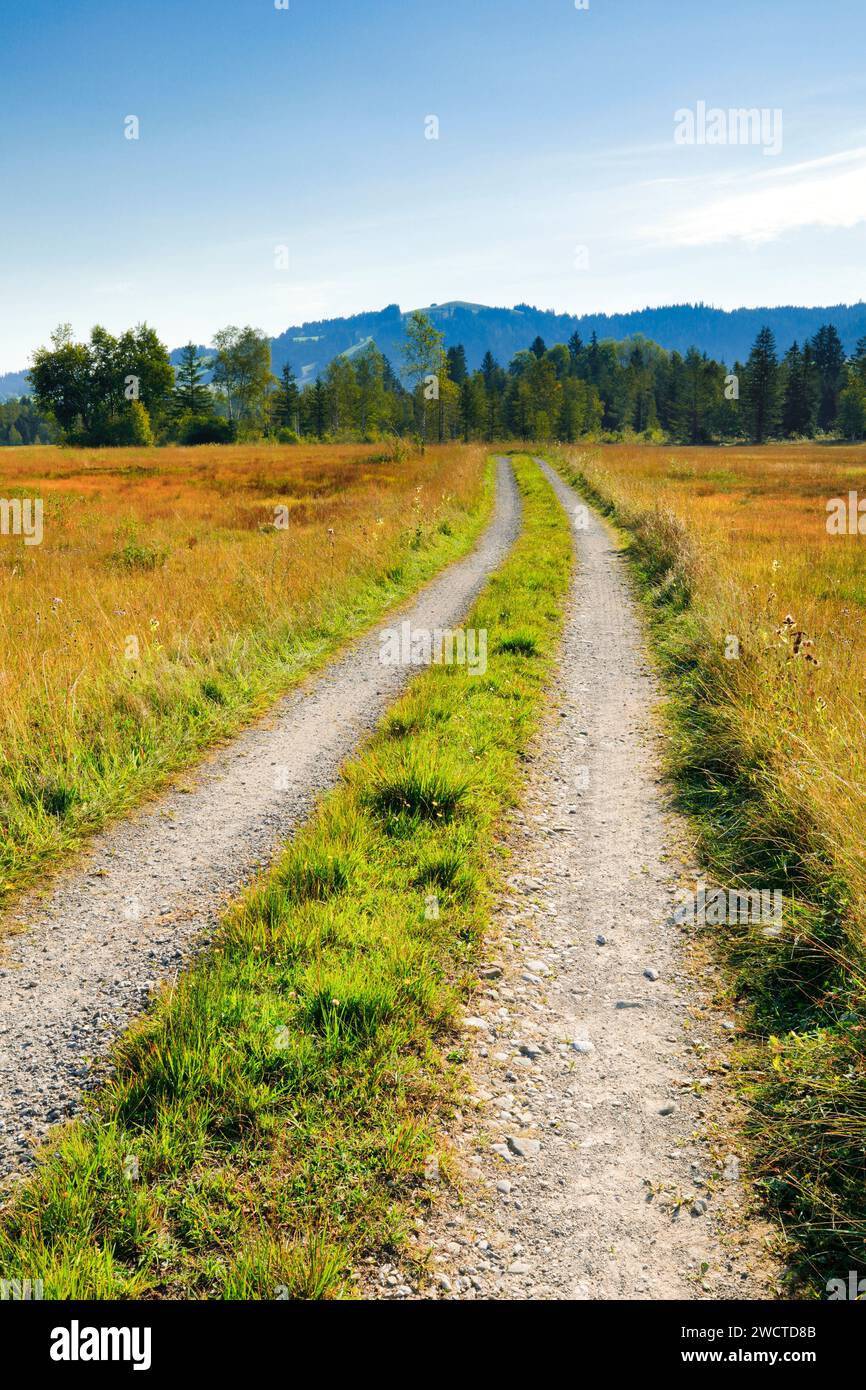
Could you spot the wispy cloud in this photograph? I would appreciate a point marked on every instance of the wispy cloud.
(115, 287)
(827, 192)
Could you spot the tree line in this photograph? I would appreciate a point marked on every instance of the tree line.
(125, 391)
(21, 422)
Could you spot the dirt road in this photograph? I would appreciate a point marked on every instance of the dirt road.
(596, 1059)
(153, 887)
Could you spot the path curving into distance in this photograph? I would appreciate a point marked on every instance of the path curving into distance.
(154, 885)
(597, 1057)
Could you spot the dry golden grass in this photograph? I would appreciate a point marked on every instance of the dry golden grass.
(764, 570)
(163, 606)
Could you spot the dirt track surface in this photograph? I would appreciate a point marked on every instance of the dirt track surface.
(597, 1059)
(91, 951)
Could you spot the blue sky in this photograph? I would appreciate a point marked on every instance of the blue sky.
(556, 178)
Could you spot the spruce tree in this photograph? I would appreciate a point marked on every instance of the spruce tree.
(760, 388)
(288, 400)
(829, 356)
(796, 405)
(457, 368)
(191, 396)
(320, 408)
(489, 370)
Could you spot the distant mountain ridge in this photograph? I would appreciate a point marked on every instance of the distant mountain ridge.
(725, 334)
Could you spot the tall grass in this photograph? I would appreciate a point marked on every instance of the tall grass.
(169, 602)
(767, 749)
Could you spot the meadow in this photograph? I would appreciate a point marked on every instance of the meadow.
(757, 618)
(177, 592)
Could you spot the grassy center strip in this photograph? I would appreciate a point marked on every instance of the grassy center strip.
(802, 988)
(270, 1118)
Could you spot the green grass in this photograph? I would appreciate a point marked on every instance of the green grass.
(803, 996)
(280, 1103)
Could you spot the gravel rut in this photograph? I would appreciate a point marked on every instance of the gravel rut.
(92, 949)
(597, 1057)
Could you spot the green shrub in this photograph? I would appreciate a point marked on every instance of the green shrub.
(206, 429)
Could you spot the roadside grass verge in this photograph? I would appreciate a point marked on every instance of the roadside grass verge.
(272, 1116)
(803, 1066)
(166, 607)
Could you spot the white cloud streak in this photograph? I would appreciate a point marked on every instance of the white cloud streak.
(828, 193)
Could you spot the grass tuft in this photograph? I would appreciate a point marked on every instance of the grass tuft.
(523, 643)
(419, 782)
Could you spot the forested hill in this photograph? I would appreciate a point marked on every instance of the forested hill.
(13, 384)
(726, 335)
